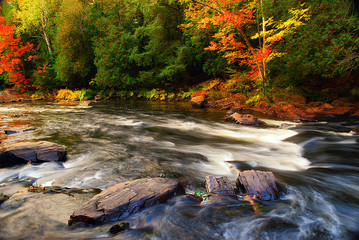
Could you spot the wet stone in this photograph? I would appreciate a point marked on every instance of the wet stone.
(120, 200)
(119, 227)
(3, 198)
(31, 152)
(260, 184)
(244, 119)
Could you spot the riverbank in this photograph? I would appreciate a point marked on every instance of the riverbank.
(293, 108)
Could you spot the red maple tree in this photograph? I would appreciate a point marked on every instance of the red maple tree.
(13, 54)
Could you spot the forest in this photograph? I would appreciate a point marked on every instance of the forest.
(131, 48)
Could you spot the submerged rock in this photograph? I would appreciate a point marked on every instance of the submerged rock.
(119, 227)
(244, 119)
(120, 200)
(32, 152)
(3, 198)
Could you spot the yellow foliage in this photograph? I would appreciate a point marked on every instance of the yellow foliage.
(65, 94)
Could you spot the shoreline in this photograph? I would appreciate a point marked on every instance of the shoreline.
(294, 109)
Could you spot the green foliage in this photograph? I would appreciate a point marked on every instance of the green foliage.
(74, 60)
(133, 48)
(325, 47)
(198, 194)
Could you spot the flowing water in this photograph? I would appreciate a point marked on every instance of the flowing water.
(316, 163)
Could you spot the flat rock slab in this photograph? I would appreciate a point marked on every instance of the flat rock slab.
(244, 119)
(120, 200)
(33, 152)
(262, 185)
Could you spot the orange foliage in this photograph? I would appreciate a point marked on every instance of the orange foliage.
(13, 54)
(199, 93)
(230, 19)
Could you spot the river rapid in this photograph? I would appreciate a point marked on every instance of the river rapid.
(316, 163)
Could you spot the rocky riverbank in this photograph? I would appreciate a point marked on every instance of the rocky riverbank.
(294, 108)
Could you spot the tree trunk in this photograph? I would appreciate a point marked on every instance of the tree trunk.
(44, 30)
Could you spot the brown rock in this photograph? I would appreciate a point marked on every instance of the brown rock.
(33, 152)
(289, 111)
(199, 101)
(220, 185)
(296, 99)
(244, 119)
(341, 103)
(262, 185)
(119, 201)
(264, 107)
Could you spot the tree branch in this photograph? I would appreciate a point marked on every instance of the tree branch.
(207, 5)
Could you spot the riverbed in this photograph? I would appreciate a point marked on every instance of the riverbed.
(110, 142)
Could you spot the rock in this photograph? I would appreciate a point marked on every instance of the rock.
(264, 107)
(289, 111)
(355, 131)
(33, 152)
(244, 119)
(120, 200)
(87, 102)
(10, 132)
(199, 101)
(262, 185)
(220, 186)
(119, 227)
(295, 99)
(341, 103)
(3, 198)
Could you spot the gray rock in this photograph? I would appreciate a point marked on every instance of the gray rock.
(120, 200)
(33, 152)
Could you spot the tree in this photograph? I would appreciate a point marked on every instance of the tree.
(326, 47)
(231, 19)
(72, 43)
(234, 26)
(13, 55)
(35, 17)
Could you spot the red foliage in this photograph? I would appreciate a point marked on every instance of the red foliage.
(199, 93)
(13, 54)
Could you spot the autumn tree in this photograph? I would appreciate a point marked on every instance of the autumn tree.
(13, 55)
(234, 24)
(35, 17)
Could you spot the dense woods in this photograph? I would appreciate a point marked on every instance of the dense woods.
(253, 47)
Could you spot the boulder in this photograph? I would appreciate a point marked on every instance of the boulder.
(120, 200)
(31, 152)
(259, 184)
(221, 186)
(199, 101)
(244, 119)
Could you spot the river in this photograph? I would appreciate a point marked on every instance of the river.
(316, 163)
